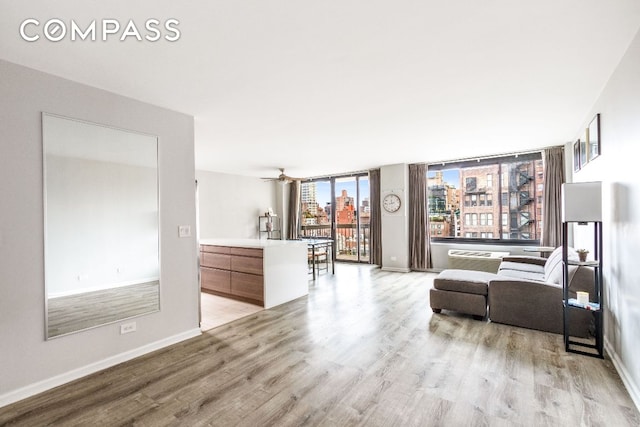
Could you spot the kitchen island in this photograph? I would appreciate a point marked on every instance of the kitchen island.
(262, 272)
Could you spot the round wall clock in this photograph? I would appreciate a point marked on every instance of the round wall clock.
(391, 203)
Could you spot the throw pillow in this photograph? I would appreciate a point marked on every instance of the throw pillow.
(553, 266)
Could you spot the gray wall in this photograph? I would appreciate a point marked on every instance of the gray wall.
(617, 168)
(229, 205)
(126, 249)
(30, 364)
(395, 226)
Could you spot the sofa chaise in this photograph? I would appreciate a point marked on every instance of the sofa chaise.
(526, 291)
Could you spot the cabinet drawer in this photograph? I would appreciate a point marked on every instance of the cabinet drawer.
(215, 280)
(245, 264)
(215, 249)
(247, 285)
(252, 252)
(215, 260)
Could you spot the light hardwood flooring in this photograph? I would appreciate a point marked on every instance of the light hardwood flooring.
(81, 311)
(362, 349)
(217, 311)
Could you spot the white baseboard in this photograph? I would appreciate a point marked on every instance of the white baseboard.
(628, 382)
(58, 380)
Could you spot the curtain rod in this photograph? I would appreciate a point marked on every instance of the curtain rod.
(492, 156)
(366, 171)
(342, 175)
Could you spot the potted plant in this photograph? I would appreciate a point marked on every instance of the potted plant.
(582, 254)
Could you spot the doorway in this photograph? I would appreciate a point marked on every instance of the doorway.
(339, 208)
(214, 310)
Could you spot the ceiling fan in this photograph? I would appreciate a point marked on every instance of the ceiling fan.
(283, 177)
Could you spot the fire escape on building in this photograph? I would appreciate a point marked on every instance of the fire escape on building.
(520, 202)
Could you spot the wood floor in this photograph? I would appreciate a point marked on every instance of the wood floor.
(82, 311)
(362, 349)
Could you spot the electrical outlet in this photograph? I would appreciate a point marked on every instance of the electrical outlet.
(126, 328)
(393, 258)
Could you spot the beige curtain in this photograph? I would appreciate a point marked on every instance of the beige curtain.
(375, 223)
(553, 159)
(294, 210)
(419, 241)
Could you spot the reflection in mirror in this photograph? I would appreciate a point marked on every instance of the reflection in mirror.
(101, 224)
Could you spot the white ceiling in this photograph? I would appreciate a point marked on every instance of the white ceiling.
(332, 86)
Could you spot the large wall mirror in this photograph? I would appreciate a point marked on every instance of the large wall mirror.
(101, 224)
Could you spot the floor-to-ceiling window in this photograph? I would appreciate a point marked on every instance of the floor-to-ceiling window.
(351, 217)
(338, 207)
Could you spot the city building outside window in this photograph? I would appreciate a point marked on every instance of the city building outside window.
(338, 208)
(496, 198)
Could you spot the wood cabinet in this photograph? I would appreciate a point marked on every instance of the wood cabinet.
(216, 260)
(247, 285)
(267, 272)
(233, 272)
(214, 279)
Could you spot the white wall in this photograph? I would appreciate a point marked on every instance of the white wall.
(395, 226)
(28, 363)
(230, 204)
(120, 220)
(440, 251)
(617, 168)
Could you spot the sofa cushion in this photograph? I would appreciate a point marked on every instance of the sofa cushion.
(461, 302)
(466, 281)
(553, 266)
(522, 274)
(521, 266)
(534, 305)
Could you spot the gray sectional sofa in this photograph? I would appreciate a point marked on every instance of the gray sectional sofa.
(526, 291)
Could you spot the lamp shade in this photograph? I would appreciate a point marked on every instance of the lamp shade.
(582, 201)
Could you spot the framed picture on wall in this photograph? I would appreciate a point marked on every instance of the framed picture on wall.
(583, 151)
(593, 143)
(576, 156)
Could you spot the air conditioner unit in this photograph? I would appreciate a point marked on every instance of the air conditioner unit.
(488, 261)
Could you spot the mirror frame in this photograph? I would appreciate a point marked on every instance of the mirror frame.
(44, 115)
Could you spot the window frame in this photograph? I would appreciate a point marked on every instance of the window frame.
(501, 188)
